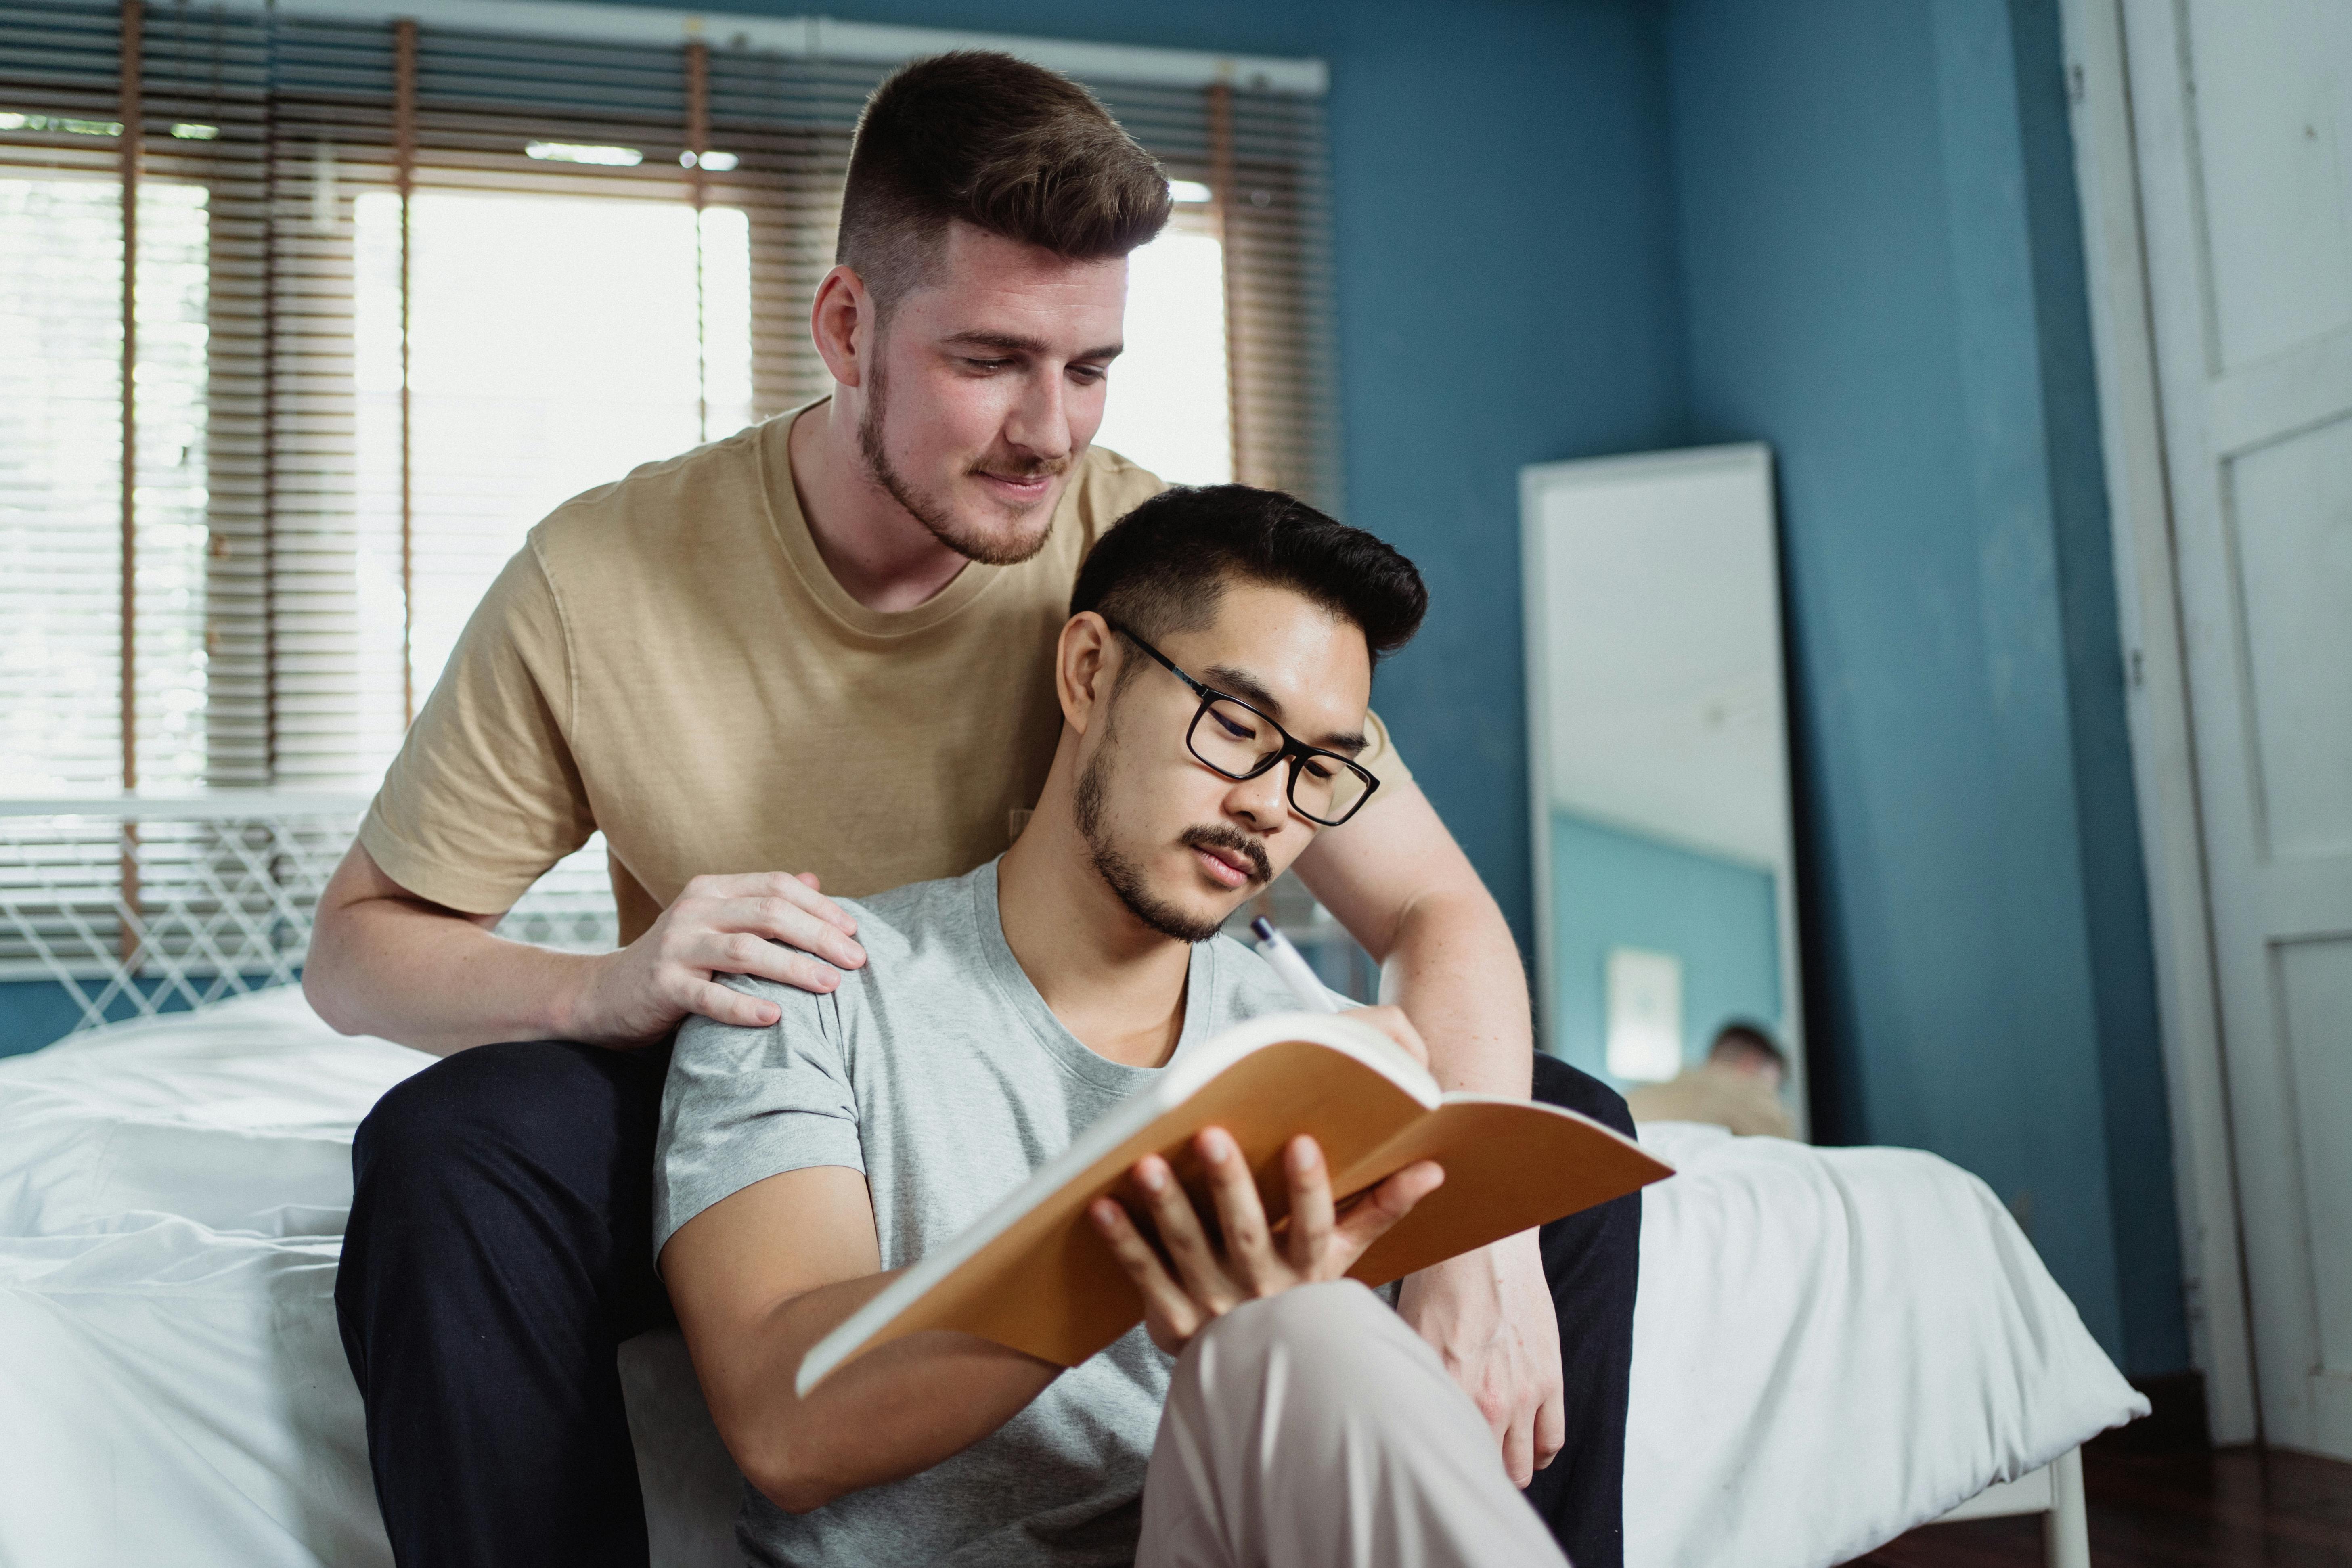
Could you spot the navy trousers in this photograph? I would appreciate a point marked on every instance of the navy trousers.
(500, 1249)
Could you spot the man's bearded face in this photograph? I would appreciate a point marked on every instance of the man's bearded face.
(986, 386)
(1181, 846)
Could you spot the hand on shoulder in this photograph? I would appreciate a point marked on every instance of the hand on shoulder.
(765, 924)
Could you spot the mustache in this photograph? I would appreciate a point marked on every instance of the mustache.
(1220, 836)
(1022, 468)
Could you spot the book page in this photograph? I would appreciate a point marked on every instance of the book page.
(1509, 1165)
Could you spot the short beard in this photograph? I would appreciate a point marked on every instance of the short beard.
(927, 509)
(1125, 878)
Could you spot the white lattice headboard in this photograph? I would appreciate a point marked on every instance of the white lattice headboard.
(137, 906)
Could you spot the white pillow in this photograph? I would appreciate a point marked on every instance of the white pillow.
(1832, 1346)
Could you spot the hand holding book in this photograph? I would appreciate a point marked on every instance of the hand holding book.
(1190, 1280)
(1036, 1274)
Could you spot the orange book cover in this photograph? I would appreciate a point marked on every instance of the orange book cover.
(1034, 1273)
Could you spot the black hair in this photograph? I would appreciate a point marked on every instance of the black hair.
(1754, 1036)
(1163, 567)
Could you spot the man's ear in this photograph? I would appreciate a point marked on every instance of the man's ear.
(1085, 666)
(845, 325)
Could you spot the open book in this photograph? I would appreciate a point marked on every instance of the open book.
(1035, 1274)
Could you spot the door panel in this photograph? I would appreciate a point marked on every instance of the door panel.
(2290, 528)
(2314, 982)
(2243, 132)
(2273, 126)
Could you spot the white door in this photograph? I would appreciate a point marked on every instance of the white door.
(2243, 123)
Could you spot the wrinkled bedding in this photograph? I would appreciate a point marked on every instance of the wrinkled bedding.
(1831, 1345)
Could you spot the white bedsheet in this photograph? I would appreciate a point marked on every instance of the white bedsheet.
(1831, 1345)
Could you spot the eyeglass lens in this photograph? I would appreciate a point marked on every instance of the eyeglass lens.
(1237, 742)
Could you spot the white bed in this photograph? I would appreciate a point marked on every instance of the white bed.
(1831, 1345)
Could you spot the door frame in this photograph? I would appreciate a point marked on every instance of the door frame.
(2164, 764)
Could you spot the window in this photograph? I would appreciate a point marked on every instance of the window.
(557, 342)
(1168, 408)
(61, 703)
(603, 252)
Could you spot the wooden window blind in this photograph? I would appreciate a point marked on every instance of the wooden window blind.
(374, 326)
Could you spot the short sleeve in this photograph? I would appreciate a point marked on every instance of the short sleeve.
(1380, 758)
(1108, 486)
(742, 1105)
(485, 794)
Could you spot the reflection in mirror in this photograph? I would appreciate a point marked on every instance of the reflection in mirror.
(1664, 887)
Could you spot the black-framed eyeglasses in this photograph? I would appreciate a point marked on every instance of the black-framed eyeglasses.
(1231, 738)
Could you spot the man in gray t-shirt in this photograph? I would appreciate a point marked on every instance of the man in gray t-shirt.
(938, 1072)
(1213, 679)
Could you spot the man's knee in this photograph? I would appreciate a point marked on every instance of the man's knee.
(1315, 1427)
(1318, 1340)
(1571, 1089)
(1308, 1314)
(472, 1113)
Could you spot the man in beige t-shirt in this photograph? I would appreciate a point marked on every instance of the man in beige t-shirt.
(669, 656)
(814, 656)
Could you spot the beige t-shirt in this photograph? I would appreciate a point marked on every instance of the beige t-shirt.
(668, 659)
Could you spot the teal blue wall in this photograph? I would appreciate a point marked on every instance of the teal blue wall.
(32, 1014)
(1881, 256)
(1618, 888)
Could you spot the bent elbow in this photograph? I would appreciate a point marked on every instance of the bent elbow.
(787, 1477)
(328, 999)
(806, 1497)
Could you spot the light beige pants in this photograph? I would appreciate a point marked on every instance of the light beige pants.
(1315, 1430)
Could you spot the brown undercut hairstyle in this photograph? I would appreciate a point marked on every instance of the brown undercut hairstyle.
(1006, 146)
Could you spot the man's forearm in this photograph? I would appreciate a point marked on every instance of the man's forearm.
(1403, 889)
(382, 963)
(1455, 971)
(891, 1413)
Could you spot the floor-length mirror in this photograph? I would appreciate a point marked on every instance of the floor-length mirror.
(1665, 906)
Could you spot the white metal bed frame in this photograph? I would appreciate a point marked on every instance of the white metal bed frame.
(2055, 1493)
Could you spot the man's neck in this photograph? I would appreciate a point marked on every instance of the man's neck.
(878, 551)
(1113, 982)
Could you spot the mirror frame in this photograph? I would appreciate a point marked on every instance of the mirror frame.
(1540, 482)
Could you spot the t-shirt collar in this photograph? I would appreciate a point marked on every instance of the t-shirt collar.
(1014, 983)
(790, 526)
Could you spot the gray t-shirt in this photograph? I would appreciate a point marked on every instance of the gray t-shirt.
(938, 1071)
